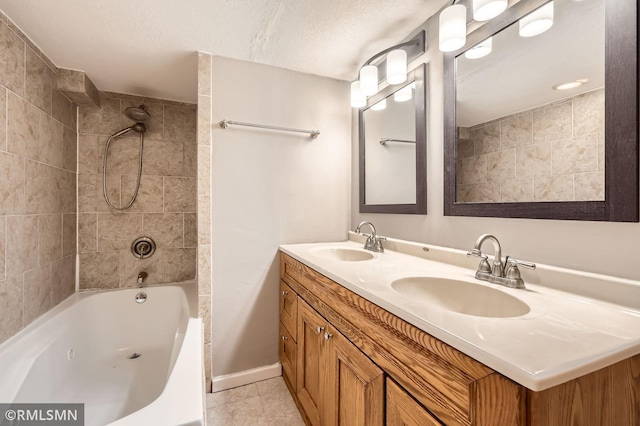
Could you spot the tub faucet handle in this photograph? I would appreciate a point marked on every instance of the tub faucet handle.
(141, 277)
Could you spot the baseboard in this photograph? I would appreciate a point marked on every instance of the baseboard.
(246, 377)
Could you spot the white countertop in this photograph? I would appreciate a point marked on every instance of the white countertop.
(564, 335)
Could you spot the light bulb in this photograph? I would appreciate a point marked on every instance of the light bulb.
(453, 28)
(380, 105)
(397, 66)
(358, 99)
(403, 94)
(537, 22)
(369, 80)
(483, 10)
(479, 50)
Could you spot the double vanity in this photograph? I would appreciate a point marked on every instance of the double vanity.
(411, 336)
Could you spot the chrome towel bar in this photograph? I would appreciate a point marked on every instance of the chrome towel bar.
(226, 123)
(385, 140)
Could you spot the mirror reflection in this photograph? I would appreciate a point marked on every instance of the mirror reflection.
(530, 121)
(393, 148)
(390, 146)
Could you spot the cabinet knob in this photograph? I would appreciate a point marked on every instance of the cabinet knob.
(327, 336)
(284, 293)
(284, 338)
(319, 329)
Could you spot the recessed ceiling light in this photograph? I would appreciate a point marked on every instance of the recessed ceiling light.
(571, 84)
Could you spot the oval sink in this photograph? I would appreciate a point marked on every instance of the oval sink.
(344, 254)
(462, 297)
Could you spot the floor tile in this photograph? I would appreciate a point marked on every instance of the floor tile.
(231, 396)
(265, 403)
(240, 413)
(279, 408)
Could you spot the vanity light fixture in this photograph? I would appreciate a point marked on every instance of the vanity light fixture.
(358, 99)
(380, 105)
(453, 28)
(453, 23)
(397, 66)
(537, 22)
(369, 80)
(395, 71)
(403, 94)
(483, 10)
(480, 50)
(571, 84)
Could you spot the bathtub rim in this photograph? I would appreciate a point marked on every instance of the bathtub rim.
(190, 289)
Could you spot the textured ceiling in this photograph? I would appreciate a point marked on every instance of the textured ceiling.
(146, 47)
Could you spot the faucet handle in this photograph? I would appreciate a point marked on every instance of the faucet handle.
(377, 244)
(484, 266)
(512, 272)
(516, 263)
(477, 253)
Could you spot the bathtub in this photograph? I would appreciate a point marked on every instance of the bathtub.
(130, 363)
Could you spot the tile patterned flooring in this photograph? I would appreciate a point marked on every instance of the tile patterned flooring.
(266, 403)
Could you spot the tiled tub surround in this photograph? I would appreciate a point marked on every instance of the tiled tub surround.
(165, 209)
(37, 184)
(551, 153)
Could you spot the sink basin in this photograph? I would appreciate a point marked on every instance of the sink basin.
(461, 296)
(344, 254)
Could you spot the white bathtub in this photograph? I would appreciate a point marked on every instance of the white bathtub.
(80, 352)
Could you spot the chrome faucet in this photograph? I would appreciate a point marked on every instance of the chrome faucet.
(141, 277)
(374, 241)
(504, 273)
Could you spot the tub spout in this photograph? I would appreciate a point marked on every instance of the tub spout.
(141, 277)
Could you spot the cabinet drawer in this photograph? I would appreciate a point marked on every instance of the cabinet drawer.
(288, 352)
(403, 410)
(289, 309)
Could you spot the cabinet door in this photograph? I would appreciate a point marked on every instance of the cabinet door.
(288, 358)
(289, 309)
(353, 386)
(311, 328)
(403, 410)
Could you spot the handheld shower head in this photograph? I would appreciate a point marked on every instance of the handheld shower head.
(139, 115)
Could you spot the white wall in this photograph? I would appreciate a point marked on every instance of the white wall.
(608, 248)
(270, 188)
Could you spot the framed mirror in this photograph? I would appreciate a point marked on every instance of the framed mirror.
(393, 148)
(545, 126)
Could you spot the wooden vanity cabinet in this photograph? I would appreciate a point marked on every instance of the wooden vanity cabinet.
(358, 364)
(336, 383)
(309, 375)
(288, 350)
(403, 410)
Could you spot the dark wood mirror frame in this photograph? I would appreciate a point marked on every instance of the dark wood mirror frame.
(621, 124)
(419, 76)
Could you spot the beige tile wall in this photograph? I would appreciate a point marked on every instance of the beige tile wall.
(204, 206)
(550, 153)
(165, 209)
(37, 184)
